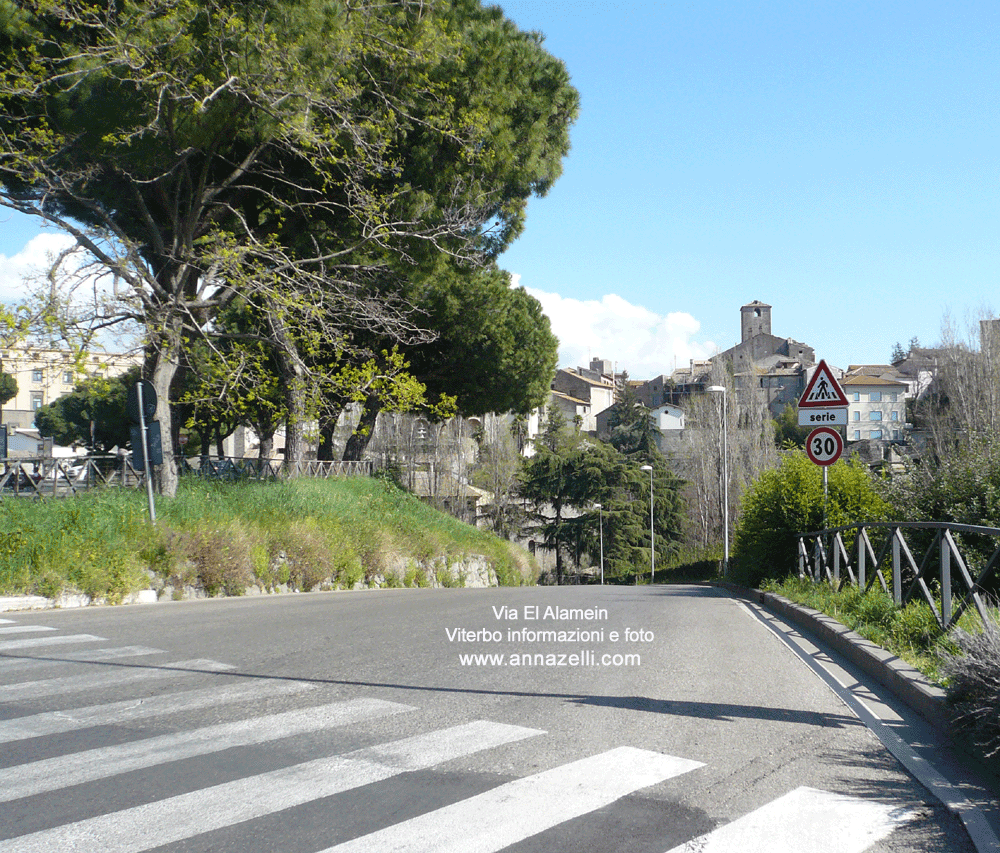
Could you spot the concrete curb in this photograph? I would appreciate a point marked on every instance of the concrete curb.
(13, 603)
(907, 683)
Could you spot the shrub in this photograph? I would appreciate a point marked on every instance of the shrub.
(224, 558)
(788, 500)
(963, 487)
(973, 674)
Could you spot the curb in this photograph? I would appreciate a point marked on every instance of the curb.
(907, 683)
(12, 603)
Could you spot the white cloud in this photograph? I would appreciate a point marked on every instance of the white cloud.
(31, 261)
(637, 339)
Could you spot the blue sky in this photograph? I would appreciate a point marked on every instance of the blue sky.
(836, 160)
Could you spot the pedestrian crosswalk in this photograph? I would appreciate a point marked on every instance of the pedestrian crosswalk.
(263, 713)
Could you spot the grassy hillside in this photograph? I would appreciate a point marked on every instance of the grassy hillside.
(225, 537)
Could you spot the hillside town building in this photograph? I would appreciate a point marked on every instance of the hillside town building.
(44, 375)
(876, 403)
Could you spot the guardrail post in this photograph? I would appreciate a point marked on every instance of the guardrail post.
(802, 558)
(836, 559)
(946, 542)
(897, 591)
(861, 558)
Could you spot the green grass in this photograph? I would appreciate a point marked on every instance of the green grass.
(911, 632)
(225, 537)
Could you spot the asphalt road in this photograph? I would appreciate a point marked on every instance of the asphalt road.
(364, 721)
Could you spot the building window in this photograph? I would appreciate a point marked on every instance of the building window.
(874, 416)
(894, 397)
(894, 415)
(857, 416)
(876, 433)
(857, 435)
(895, 435)
(857, 396)
(875, 397)
(36, 375)
(36, 400)
(67, 377)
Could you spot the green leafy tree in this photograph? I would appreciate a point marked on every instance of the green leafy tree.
(625, 508)
(492, 347)
(962, 487)
(561, 481)
(8, 390)
(788, 500)
(292, 152)
(787, 432)
(92, 414)
(570, 472)
(632, 424)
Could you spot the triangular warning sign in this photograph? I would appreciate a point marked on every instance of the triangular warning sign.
(823, 391)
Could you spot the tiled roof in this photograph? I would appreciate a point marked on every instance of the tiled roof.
(858, 379)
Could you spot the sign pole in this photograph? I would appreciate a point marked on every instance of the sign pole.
(826, 492)
(145, 454)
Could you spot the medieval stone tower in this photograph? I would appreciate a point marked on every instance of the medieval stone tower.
(755, 319)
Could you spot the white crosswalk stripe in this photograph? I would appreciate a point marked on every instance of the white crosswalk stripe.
(804, 821)
(90, 656)
(514, 814)
(24, 629)
(148, 826)
(54, 773)
(77, 683)
(134, 710)
(58, 640)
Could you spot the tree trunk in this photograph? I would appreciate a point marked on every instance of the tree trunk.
(362, 435)
(327, 431)
(293, 387)
(266, 447)
(165, 360)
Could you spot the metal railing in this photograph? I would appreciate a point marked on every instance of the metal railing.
(40, 478)
(236, 468)
(823, 555)
(47, 477)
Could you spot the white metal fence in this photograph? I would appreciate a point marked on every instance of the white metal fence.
(942, 576)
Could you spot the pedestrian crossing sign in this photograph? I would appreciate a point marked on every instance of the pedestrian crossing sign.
(823, 390)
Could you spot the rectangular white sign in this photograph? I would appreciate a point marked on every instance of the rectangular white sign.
(823, 417)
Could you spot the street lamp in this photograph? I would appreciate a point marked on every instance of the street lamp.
(721, 389)
(652, 539)
(600, 511)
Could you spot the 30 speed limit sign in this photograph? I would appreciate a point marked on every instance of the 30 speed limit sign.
(824, 445)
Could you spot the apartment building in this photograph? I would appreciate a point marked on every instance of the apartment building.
(44, 375)
(876, 404)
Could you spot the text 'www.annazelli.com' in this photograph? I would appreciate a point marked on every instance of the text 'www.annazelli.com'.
(529, 659)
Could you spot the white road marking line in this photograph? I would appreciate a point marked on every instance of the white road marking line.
(91, 656)
(155, 824)
(980, 831)
(62, 771)
(25, 629)
(60, 640)
(25, 690)
(804, 821)
(130, 710)
(517, 810)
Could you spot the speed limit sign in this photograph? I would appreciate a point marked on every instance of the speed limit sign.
(824, 445)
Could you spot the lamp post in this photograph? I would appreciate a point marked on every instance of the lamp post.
(721, 389)
(600, 511)
(652, 535)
